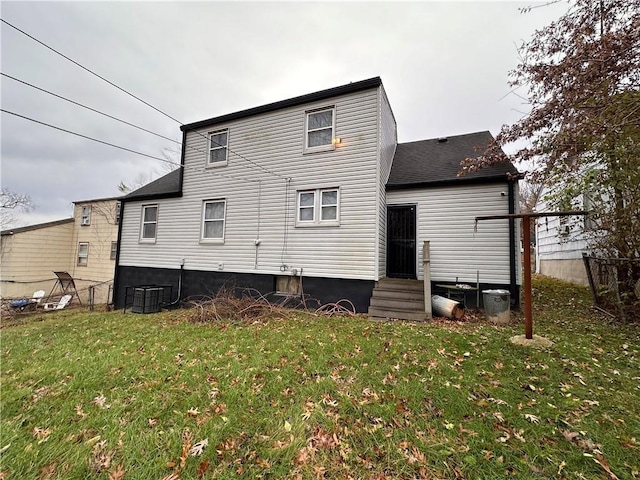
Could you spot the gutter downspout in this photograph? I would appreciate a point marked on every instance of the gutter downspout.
(116, 274)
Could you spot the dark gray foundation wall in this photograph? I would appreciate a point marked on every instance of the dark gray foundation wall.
(197, 283)
(319, 291)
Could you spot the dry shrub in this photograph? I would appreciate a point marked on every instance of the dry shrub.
(246, 305)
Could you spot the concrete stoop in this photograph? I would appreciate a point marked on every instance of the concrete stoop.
(398, 298)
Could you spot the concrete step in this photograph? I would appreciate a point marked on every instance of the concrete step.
(399, 314)
(397, 303)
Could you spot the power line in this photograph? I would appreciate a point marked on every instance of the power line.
(88, 70)
(137, 98)
(89, 108)
(128, 149)
(89, 138)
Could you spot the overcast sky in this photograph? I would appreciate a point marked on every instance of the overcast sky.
(444, 66)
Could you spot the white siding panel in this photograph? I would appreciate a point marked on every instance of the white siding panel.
(388, 144)
(446, 217)
(262, 205)
(551, 244)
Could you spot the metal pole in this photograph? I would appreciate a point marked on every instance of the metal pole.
(426, 274)
(528, 315)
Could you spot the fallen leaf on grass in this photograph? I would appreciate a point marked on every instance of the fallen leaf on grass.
(172, 476)
(117, 474)
(101, 401)
(602, 461)
(46, 473)
(202, 469)
(42, 434)
(193, 412)
(198, 448)
(532, 418)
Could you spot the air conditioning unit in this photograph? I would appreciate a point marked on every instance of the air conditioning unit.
(147, 299)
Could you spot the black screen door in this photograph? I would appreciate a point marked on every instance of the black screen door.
(401, 241)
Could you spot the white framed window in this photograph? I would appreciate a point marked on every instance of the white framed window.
(318, 207)
(118, 211)
(149, 226)
(114, 250)
(213, 220)
(218, 151)
(83, 254)
(320, 130)
(86, 215)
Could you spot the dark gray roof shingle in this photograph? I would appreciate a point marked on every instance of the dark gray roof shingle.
(438, 162)
(166, 186)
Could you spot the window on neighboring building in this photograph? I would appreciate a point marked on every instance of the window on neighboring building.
(318, 207)
(118, 210)
(86, 215)
(149, 223)
(320, 126)
(83, 254)
(114, 250)
(213, 212)
(218, 143)
(588, 204)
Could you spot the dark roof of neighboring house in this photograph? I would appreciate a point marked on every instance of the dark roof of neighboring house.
(166, 186)
(437, 162)
(11, 231)
(291, 102)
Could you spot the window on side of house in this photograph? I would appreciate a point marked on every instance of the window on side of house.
(149, 227)
(319, 130)
(218, 148)
(83, 254)
(213, 220)
(86, 215)
(588, 204)
(114, 250)
(118, 211)
(320, 207)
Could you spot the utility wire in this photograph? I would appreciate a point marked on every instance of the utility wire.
(99, 112)
(128, 149)
(137, 98)
(86, 69)
(89, 108)
(90, 138)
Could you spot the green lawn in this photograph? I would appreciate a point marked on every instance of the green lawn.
(107, 395)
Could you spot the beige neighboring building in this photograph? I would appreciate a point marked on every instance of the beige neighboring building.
(85, 246)
(31, 254)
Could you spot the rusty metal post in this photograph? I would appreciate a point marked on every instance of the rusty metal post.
(528, 314)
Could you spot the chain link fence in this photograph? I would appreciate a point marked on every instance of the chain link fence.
(615, 285)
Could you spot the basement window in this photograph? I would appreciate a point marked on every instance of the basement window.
(287, 285)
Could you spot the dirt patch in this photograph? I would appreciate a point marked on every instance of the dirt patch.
(536, 341)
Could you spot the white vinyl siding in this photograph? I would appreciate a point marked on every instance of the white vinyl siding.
(446, 217)
(388, 142)
(263, 206)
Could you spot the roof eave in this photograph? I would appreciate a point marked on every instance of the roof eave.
(449, 182)
(291, 102)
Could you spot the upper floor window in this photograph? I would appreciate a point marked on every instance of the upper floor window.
(218, 143)
(213, 213)
(114, 250)
(149, 223)
(320, 129)
(86, 215)
(118, 211)
(83, 254)
(318, 207)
